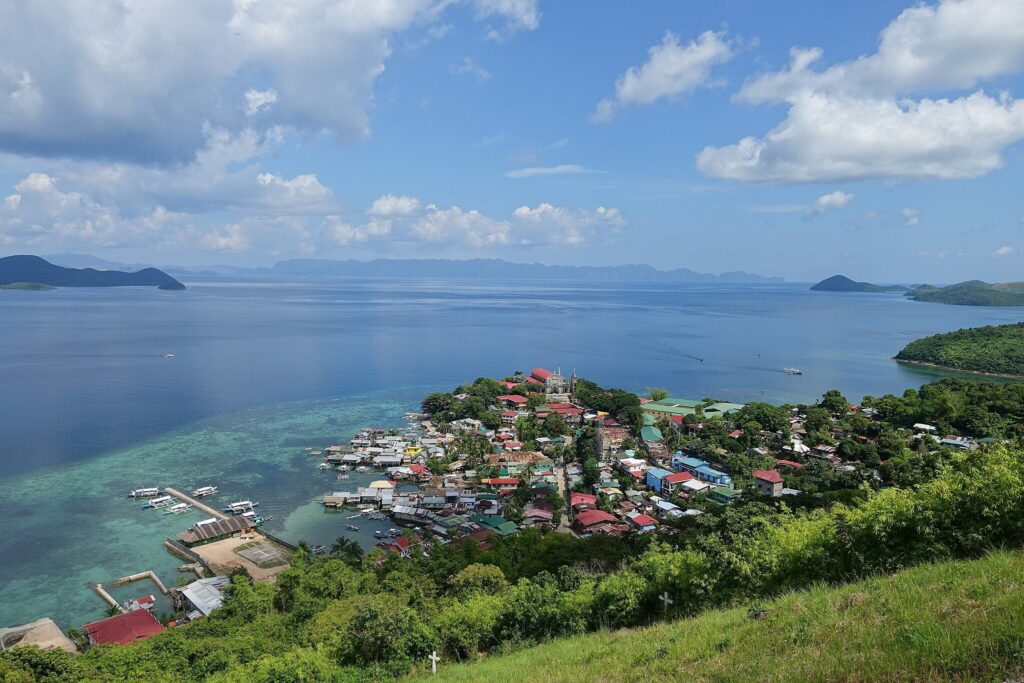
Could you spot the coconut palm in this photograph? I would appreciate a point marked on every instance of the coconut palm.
(347, 550)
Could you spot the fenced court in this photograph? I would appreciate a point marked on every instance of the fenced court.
(263, 554)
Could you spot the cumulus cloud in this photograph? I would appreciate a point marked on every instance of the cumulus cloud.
(828, 202)
(457, 225)
(855, 120)
(561, 169)
(138, 83)
(671, 70)
(394, 205)
(911, 217)
(562, 226)
(1004, 251)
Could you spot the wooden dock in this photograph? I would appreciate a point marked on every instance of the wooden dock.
(195, 503)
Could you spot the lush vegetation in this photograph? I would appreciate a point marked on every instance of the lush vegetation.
(972, 293)
(995, 349)
(947, 621)
(347, 618)
(27, 286)
(841, 283)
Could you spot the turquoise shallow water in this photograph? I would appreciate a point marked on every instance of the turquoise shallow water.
(70, 526)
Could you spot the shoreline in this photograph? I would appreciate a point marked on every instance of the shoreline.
(949, 368)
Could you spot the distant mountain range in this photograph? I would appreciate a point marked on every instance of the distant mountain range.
(841, 283)
(26, 271)
(432, 268)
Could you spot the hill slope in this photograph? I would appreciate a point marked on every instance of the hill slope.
(972, 293)
(32, 269)
(948, 621)
(994, 349)
(841, 283)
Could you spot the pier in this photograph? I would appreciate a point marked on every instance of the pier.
(195, 503)
(142, 576)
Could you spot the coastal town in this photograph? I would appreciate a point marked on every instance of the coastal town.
(531, 450)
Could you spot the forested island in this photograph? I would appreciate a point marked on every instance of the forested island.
(34, 273)
(994, 350)
(841, 283)
(972, 293)
(875, 489)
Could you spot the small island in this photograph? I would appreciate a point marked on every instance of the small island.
(990, 350)
(841, 283)
(33, 273)
(972, 293)
(28, 286)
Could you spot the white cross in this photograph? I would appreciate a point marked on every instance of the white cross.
(434, 659)
(666, 600)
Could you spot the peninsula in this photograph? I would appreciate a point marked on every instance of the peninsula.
(991, 350)
(32, 272)
(972, 293)
(841, 283)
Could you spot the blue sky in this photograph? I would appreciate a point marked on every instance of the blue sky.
(800, 139)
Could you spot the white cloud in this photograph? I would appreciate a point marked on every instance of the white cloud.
(140, 81)
(568, 227)
(391, 205)
(671, 70)
(829, 138)
(518, 15)
(467, 67)
(854, 121)
(562, 169)
(230, 239)
(911, 217)
(259, 100)
(1005, 251)
(343, 234)
(836, 199)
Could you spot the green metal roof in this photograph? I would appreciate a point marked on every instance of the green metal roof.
(724, 407)
(667, 410)
(651, 434)
(648, 420)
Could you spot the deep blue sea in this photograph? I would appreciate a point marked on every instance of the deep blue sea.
(89, 407)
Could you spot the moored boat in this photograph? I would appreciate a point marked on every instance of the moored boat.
(160, 502)
(240, 507)
(793, 371)
(144, 492)
(203, 491)
(177, 509)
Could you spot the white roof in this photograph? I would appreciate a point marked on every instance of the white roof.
(206, 594)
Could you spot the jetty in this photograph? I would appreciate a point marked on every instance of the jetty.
(142, 576)
(195, 503)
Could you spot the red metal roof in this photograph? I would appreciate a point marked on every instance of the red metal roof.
(577, 498)
(501, 481)
(124, 628)
(540, 373)
(513, 398)
(678, 477)
(643, 520)
(771, 476)
(788, 463)
(592, 517)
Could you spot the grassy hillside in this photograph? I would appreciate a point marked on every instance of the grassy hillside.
(972, 293)
(948, 621)
(996, 349)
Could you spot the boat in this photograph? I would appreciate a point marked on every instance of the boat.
(378, 533)
(177, 509)
(204, 522)
(793, 371)
(354, 516)
(343, 476)
(159, 502)
(204, 491)
(352, 527)
(144, 493)
(168, 356)
(240, 507)
(318, 549)
(256, 519)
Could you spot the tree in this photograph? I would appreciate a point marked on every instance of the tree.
(438, 402)
(347, 550)
(657, 393)
(479, 578)
(835, 403)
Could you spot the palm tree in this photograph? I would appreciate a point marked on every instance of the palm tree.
(347, 550)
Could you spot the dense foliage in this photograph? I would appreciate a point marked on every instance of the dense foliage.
(997, 349)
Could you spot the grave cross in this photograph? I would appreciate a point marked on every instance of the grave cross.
(666, 600)
(434, 659)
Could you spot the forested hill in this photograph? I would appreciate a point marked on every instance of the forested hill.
(972, 293)
(995, 349)
(34, 270)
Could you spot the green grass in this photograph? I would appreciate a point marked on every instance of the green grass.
(948, 621)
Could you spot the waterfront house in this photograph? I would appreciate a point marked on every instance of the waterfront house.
(768, 482)
(123, 629)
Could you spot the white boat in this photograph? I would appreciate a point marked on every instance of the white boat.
(168, 356)
(204, 522)
(144, 493)
(352, 527)
(343, 476)
(204, 491)
(177, 509)
(794, 371)
(323, 466)
(159, 502)
(240, 507)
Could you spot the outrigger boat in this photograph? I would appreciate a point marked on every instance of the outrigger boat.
(177, 509)
(256, 519)
(159, 502)
(144, 493)
(793, 371)
(240, 507)
(204, 491)
(352, 527)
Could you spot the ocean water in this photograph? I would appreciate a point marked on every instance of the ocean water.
(89, 408)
